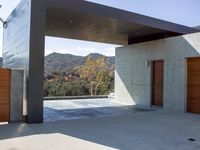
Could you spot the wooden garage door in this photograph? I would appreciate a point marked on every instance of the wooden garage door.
(4, 94)
(193, 85)
(157, 83)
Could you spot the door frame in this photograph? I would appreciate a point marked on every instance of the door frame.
(151, 78)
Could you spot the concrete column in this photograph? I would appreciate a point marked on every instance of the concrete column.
(16, 95)
(36, 62)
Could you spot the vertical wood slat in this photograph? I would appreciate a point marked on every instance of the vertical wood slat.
(5, 75)
(193, 85)
(157, 82)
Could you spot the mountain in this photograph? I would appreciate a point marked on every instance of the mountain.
(197, 27)
(63, 62)
(110, 60)
(1, 62)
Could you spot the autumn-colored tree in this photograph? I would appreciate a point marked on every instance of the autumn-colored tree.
(96, 73)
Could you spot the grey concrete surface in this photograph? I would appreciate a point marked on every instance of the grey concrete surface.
(23, 47)
(16, 95)
(16, 41)
(133, 77)
(156, 130)
(84, 108)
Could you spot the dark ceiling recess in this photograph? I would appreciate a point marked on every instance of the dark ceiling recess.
(151, 37)
(78, 19)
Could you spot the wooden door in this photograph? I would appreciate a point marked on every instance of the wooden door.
(157, 82)
(193, 85)
(4, 95)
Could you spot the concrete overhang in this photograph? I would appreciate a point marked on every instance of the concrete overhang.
(78, 19)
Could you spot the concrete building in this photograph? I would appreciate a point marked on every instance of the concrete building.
(24, 37)
(135, 75)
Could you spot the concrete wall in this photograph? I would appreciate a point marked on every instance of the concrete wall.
(133, 76)
(16, 41)
(16, 95)
(23, 47)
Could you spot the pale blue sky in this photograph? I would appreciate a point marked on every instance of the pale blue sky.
(185, 12)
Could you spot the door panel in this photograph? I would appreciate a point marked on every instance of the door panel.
(157, 83)
(4, 95)
(193, 85)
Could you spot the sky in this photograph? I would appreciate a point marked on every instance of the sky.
(185, 12)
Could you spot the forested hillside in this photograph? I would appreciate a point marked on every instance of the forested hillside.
(69, 75)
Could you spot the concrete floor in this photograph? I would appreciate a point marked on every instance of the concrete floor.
(83, 108)
(155, 130)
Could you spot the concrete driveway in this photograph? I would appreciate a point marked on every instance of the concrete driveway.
(155, 130)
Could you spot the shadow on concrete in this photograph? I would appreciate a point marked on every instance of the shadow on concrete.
(52, 114)
(98, 130)
(145, 130)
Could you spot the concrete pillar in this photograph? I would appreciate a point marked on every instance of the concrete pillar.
(16, 95)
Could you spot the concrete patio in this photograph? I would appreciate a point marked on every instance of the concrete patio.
(154, 130)
(58, 110)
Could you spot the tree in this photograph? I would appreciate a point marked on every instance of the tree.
(96, 73)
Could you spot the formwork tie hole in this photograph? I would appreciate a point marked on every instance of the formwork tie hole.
(191, 140)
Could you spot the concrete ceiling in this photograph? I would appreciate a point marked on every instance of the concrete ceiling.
(77, 19)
